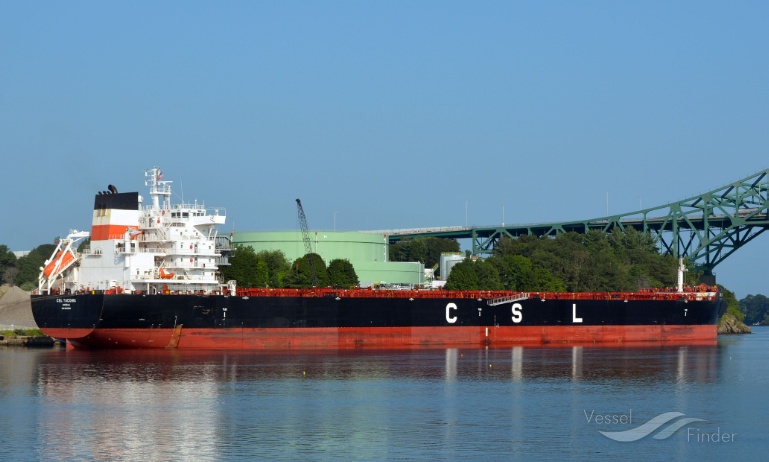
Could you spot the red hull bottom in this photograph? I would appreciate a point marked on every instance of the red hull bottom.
(387, 337)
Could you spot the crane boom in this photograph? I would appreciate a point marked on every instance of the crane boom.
(307, 243)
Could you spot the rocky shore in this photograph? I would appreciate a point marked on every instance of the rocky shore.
(728, 324)
(29, 342)
(16, 315)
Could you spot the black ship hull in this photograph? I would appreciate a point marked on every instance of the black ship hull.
(335, 320)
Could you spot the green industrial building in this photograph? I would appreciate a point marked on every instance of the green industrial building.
(368, 253)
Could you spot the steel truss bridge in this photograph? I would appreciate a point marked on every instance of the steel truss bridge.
(706, 228)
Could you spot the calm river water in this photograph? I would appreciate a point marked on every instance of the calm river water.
(517, 403)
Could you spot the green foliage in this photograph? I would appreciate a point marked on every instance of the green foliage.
(621, 261)
(300, 275)
(251, 269)
(22, 333)
(84, 245)
(277, 266)
(463, 276)
(8, 269)
(755, 308)
(487, 275)
(423, 249)
(545, 281)
(261, 274)
(9, 275)
(30, 264)
(732, 305)
(242, 267)
(515, 271)
(341, 274)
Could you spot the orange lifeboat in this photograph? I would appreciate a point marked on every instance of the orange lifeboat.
(164, 275)
(65, 258)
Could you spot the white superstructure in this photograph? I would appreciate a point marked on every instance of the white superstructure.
(156, 248)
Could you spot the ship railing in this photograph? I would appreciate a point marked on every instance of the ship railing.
(508, 299)
(158, 250)
(490, 296)
(172, 251)
(141, 237)
(157, 235)
(179, 280)
(186, 207)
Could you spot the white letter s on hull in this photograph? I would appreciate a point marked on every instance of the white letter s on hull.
(517, 315)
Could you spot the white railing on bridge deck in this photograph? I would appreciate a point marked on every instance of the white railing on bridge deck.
(397, 232)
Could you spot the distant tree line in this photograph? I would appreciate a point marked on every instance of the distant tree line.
(271, 269)
(573, 262)
(427, 250)
(756, 309)
(24, 271)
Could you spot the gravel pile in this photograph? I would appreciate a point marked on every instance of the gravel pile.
(15, 309)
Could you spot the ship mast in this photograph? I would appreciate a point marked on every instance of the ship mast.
(158, 189)
(681, 270)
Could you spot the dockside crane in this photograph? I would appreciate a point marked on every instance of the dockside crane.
(307, 243)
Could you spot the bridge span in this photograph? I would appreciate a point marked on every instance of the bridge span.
(706, 228)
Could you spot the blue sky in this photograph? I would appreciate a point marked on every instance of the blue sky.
(383, 114)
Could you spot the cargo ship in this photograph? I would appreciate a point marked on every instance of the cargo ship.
(149, 279)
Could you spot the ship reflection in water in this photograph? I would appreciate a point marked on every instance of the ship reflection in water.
(204, 405)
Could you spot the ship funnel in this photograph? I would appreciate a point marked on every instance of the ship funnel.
(113, 214)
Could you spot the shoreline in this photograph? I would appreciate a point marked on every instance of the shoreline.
(29, 342)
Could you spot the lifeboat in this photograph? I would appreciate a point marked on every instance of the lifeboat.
(58, 263)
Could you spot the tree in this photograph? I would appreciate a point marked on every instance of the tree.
(85, 244)
(732, 305)
(300, 275)
(8, 269)
(595, 261)
(487, 275)
(423, 249)
(7, 258)
(277, 266)
(10, 274)
(515, 271)
(545, 281)
(755, 308)
(341, 274)
(242, 267)
(30, 264)
(251, 269)
(463, 276)
(261, 274)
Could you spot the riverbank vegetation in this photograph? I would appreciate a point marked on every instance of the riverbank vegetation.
(572, 262)
(21, 333)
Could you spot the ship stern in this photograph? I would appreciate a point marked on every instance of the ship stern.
(67, 316)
